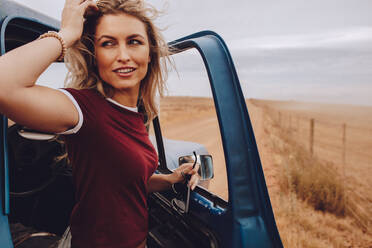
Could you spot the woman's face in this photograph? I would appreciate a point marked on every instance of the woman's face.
(122, 52)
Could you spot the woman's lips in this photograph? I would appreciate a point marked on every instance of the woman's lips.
(125, 72)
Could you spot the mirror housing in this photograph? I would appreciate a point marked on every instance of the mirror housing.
(205, 165)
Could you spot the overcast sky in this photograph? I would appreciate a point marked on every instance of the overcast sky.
(318, 50)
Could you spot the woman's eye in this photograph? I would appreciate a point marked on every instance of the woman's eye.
(135, 42)
(107, 43)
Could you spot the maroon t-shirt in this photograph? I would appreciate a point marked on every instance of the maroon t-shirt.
(112, 159)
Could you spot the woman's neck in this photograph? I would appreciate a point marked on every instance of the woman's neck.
(126, 98)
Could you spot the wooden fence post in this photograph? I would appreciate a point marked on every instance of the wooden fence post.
(344, 144)
(344, 164)
(298, 124)
(311, 136)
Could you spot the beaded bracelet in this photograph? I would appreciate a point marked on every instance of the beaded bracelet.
(57, 36)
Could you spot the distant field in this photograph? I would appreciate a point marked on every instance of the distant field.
(334, 139)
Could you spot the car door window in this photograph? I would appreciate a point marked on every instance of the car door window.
(54, 76)
(188, 118)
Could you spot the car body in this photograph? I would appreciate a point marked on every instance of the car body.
(245, 220)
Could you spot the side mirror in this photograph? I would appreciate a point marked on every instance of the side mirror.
(206, 164)
(181, 202)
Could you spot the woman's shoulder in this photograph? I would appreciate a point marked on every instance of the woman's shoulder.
(92, 92)
(84, 94)
(85, 98)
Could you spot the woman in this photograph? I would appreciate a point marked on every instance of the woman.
(113, 56)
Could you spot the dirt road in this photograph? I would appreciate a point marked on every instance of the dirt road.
(195, 120)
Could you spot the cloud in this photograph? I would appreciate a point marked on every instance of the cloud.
(327, 55)
(331, 66)
(331, 39)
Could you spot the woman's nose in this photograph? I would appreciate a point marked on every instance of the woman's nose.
(123, 54)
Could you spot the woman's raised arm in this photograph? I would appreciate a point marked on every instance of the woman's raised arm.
(35, 106)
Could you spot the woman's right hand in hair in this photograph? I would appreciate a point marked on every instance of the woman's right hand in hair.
(35, 106)
(73, 19)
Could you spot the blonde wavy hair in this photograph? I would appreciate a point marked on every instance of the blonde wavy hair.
(80, 58)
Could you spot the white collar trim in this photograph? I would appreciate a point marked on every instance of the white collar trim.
(134, 109)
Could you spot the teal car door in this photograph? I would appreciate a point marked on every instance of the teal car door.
(246, 219)
(18, 26)
(5, 237)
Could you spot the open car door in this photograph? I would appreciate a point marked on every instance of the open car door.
(245, 219)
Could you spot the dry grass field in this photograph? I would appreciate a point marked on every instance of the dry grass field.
(316, 159)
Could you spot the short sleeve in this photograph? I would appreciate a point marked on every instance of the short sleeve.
(81, 118)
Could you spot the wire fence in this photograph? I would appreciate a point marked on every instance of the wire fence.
(346, 146)
(339, 143)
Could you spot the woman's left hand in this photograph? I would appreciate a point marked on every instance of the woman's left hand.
(180, 174)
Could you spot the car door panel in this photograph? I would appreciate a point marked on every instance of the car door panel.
(248, 216)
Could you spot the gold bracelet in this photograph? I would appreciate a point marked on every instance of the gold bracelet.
(57, 36)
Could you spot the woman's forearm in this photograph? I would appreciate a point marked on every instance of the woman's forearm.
(160, 182)
(38, 107)
(22, 66)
